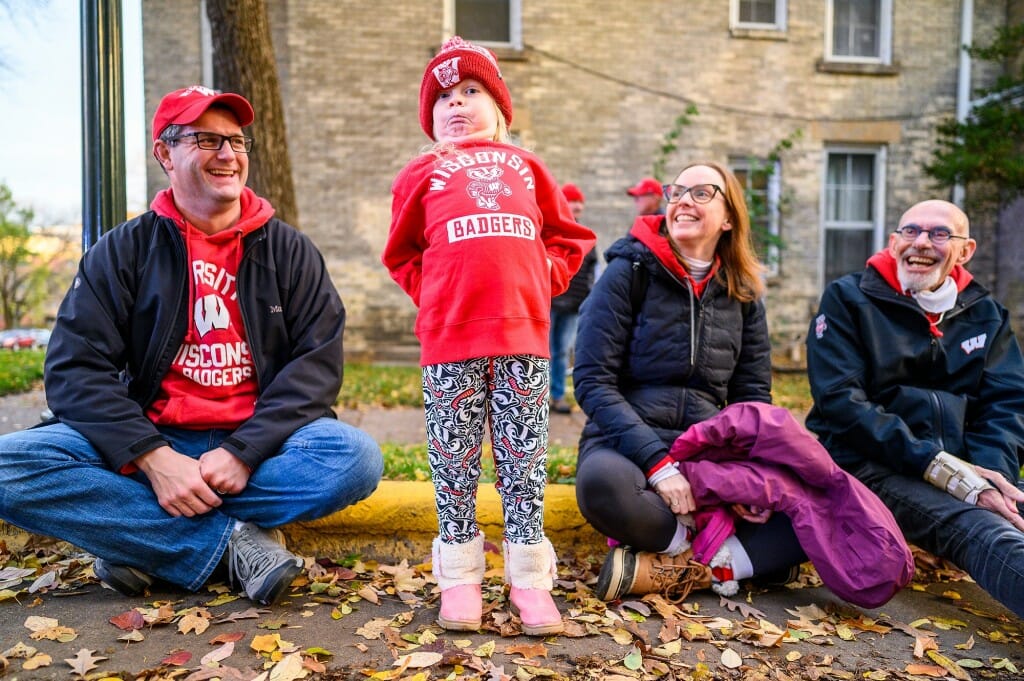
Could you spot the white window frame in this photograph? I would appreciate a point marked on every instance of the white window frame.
(773, 195)
(515, 24)
(884, 36)
(778, 25)
(877, 223)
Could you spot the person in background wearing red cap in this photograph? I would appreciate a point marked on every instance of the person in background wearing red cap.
(192, 372)
(565, 310)
(647, 197)
(481, 238)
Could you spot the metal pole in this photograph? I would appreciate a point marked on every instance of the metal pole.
(104, 200)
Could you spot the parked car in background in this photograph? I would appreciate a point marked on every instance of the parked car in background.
(21, 339)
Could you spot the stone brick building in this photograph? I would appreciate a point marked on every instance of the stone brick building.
(856, 87)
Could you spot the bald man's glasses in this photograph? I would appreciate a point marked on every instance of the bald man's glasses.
(937, 235)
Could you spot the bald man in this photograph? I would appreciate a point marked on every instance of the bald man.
(918, 386)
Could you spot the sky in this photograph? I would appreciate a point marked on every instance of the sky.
(41, 107)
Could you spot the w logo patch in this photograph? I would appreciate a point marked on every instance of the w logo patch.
(210, 313)
(972, 344)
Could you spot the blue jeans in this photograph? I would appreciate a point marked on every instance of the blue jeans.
(54, 482)
(982, 543)
(563, 335)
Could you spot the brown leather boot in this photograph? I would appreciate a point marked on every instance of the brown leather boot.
(643, 572)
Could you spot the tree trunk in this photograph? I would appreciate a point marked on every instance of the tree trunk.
(244, 62)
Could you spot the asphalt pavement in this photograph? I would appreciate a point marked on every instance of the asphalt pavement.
(377, 613)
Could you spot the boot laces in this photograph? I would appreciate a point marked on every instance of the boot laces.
(676, 581)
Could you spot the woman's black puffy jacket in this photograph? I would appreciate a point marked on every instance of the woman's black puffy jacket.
(653, 359)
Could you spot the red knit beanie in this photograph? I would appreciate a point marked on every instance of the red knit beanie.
(457, 61)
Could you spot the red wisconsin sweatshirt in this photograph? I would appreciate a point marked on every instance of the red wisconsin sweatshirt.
(211, 382)
(473, 229)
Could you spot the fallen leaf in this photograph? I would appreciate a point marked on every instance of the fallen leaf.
(232, 637)
(178, 658)
(36, 623)
(368, 594)
(485, 650)
(128, 621)
(193, 622)
(288, 669)
(925, 670)
(528, 650)
(84, 661)
(19, 650)
(37, 661)
(731, 659)
(46, 581)
(133, 636)
(633, 660)
(952, 667)
(266, 643)
(417, 660)
(744, 609)
(217, 654)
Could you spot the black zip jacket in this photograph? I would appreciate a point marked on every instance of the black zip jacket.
(644, 375)
(126, 315)
(888, 390)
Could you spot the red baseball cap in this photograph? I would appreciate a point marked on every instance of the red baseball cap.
(648, 185)
(572, 193)
(184, 106)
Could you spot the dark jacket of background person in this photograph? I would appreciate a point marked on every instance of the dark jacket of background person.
(117, 333)
(683, 360)
(889, 390)
(579, 286)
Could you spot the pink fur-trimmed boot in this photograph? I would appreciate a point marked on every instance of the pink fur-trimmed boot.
(530, 570)
(459, 571)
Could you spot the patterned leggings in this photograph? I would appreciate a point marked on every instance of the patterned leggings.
(512, 390)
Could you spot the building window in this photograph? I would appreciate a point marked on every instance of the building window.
(495, 23)
(859, 31)
(761, 180)
(767, 15)
(853, 209)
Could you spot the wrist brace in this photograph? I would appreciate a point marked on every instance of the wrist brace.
(957, 477)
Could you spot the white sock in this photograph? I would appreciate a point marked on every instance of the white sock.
(741, 565)
(680, 542)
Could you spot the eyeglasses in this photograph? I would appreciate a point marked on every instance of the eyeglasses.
(700, 193)
(211, 141)
(937, 235)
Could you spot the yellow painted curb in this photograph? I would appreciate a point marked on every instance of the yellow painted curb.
(398, 521)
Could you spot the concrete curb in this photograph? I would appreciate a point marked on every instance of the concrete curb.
(398, 521)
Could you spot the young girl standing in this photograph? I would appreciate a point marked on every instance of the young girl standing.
(480, 239)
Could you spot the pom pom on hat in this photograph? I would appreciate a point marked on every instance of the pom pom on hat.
(456, 61)
(572, 193)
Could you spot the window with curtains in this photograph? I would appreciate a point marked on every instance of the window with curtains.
(859, 31)
(853, 209)
(495, 23)
(758, 14)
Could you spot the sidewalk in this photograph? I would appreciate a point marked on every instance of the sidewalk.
(366, 620)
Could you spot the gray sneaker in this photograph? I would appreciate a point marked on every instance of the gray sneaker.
(259, 565)
(124, 579)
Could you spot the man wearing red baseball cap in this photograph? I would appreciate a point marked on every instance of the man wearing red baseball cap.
(192, 372)
(565, 310)
(647, 195)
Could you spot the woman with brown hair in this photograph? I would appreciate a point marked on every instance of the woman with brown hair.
(673, 331)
